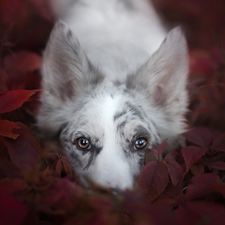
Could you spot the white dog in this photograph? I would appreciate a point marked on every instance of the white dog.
(114, 85)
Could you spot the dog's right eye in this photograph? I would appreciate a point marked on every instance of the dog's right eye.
(83, 143)
(140, 143)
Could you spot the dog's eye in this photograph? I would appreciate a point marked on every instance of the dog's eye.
(140, 143)
(83, 143)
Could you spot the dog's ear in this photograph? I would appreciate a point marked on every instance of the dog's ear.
(65, 70)
(164, 76)
(64, 63)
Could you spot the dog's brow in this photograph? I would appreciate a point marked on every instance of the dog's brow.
(141, 131)
(134, 110)
(119, 114)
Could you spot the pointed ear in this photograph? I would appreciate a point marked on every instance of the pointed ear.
(65, 64)
(164, 75)
(65, 71)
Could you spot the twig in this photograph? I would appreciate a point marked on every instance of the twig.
(218, 41)
(207, 85)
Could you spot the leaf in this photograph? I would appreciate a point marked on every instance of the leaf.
(160, 148)
(6, 129)
(62, 195)
(8, 169)
(200, 185)
(25, 150)
(12, 211)
(150, 156)
(191, 154)
(197, 169)
(11, 100)
(200, 136)
(220, 147)
(216, 141)
(186, 216)
(67, 167)
(175, 170)
(156, 212)
(201, 212)
(42, 7)
(139, 211)
(153, 179)
(207, 178)
(217, 165)
(220, 188)
(22, 61)
(9, 186)
(155, 154)
(58, 168)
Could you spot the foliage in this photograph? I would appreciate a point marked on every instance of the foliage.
(38, 185)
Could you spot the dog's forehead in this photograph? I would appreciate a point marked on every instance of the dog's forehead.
(111, 113)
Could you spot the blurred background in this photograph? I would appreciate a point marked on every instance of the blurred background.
(26, 24)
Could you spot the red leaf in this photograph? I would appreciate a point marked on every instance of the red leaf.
(220, 188)
(191, 154)
(11, 100)
(42, 7)
(13, 11)
(160, 148)
(9, 186)
(6, 129)
(220, 147)
(58, 168)
(22, 61)
(201, 185)
(140, 212)
(24, 151)
(12, 211)
(201, 212)
(153, 179)
(67, 167)
(150, 156)
(207, 178)
(216, 141)
(200, 136)
(217, 165)
(197, 169)
(156, 212)
(62, 193)
(186, 216)
(8, 169)
(175, 170)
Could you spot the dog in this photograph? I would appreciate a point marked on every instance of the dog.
(114, 85)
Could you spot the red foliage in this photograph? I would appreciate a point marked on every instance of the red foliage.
(25, 150)
(12, 211)
(6, 129)
(12, 100)
(38, 186)
(154, 179)
(174, 168)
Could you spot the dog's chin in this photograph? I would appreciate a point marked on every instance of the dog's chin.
(92, 185)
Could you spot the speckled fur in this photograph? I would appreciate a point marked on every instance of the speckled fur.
(119, 82)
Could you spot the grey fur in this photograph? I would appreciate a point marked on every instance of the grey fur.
(112, 88)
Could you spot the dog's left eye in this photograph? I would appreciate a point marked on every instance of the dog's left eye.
(140, 143)
(83, 143)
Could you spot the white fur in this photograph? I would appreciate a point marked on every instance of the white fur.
(112, 81)
(104, 22)
(109, 164)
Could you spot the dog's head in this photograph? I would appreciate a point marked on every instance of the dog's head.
(105, 126)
